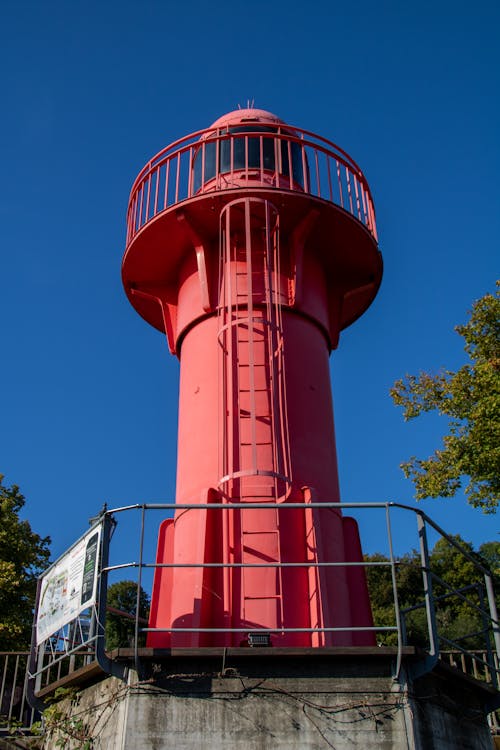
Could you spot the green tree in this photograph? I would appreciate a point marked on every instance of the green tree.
(489, 553)
(23, 556)
(457, 615)
(122, 601)
(470, 398)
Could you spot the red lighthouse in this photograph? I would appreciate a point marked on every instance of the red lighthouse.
(251, 245)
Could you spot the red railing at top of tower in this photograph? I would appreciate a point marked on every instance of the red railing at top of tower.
(215, 160)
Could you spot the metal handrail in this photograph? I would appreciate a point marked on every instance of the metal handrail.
(335, 176)
(199, 135)
(424, 522)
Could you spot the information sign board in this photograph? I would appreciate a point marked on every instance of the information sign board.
(69, 586)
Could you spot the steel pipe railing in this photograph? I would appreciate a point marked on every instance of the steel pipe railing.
(430, 601)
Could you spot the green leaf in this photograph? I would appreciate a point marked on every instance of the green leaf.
(470, 399)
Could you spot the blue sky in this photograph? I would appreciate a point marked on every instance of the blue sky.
(92, 90)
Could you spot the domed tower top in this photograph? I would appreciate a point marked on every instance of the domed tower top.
(247, 154)
(248, 115)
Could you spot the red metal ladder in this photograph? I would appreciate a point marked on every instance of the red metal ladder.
(255, 443)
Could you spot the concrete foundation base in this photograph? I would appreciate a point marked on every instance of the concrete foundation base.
(259, 699)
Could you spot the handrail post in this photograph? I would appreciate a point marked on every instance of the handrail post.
(138, 667)
(35, 662)
(103, 593)
(495, 624)
(107, 665)
(433, 657)
(397, 611)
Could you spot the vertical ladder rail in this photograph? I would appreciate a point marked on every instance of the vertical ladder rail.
(272, 280)
(250, 308)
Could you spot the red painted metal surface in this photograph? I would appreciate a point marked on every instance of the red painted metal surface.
(252, 244)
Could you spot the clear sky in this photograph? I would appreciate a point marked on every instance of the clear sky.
(91, 90)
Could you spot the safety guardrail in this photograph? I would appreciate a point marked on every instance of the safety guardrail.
(479, 647)
(15, 712)
(281, 157)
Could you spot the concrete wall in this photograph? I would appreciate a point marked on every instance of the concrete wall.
(241, 713)
(355, 708)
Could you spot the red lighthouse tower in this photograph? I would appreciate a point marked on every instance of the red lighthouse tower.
(251, 245)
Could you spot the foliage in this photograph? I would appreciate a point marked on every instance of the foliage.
(23, 556)
(62, 729)
(457, 615)
(489, 552)
(470, 398)
(122, 596)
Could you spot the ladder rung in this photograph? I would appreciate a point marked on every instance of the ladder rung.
(245, 414)
(249, 533)
(255, 390)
